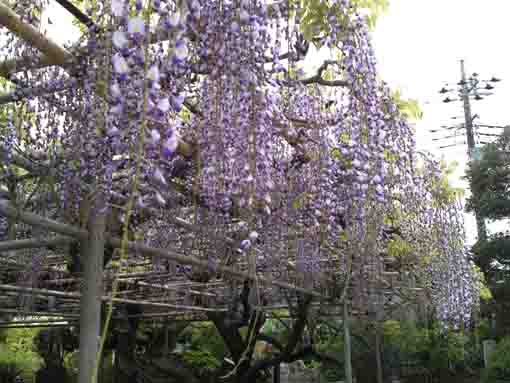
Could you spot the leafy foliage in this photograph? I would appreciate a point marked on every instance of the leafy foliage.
(490, 177)
(409, 108)
(276, 328)
(202, 360)
(490, 180)
(331, 343)
(17, 355)
(499, 363)
(206, 347)
(314, 21)
(433, 348)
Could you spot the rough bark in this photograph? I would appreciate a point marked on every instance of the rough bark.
(299, 325)
(230, 335)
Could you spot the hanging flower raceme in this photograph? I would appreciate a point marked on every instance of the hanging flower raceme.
(215, 91)
(137, 71)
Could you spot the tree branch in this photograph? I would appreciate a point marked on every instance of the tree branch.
(317, 78)
(32, 36)
(230, 335)
(258, 320)
(73, 10)
(299, 325)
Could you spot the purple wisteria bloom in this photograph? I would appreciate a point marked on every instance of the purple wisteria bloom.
(120, 66)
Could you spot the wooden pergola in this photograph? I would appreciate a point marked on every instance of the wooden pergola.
(75, 299)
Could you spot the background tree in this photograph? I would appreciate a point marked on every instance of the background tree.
(490, 179)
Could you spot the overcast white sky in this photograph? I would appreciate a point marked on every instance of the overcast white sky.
(419, 45)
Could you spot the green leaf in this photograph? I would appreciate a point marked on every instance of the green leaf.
(408, 108)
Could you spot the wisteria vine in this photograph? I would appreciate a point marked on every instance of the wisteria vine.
(238, 140)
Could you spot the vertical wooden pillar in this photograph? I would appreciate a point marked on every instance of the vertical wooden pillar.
(92, 252)
(347, 344)
(378, 352)
(379, 319)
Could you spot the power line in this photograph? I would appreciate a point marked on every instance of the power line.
(468, 89)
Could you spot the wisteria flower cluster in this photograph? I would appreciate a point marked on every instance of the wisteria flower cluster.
(201, 109)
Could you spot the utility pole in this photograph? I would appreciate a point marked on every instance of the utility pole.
(468, 118)
(468, 121)
(467, 89)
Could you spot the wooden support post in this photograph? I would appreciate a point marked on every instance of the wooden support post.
(378, 352)
(347, 344)
(379, 319)
(92, 252)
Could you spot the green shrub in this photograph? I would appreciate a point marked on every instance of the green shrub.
(16, 353)
(203, 362)
(332, 345)
(499, 363)
(204, 336)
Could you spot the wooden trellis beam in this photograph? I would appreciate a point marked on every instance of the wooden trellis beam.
(37, 321)
(36, 220)
(60, 294)
(167, 288)
(32, 243)
(38, 313)
(48, 325)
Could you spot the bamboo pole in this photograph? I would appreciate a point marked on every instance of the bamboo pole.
(41, 322)
(32, 243)
(60, 294)
(204, 265)
(167, 288)
(49, 325)
(36, 220)
(38, 313)
(12, 263)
